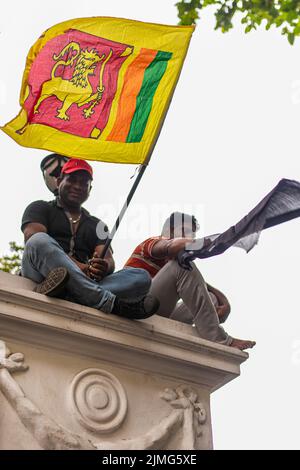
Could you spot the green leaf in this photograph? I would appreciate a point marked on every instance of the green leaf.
(12, 263)
(291, 38)
(284, 14)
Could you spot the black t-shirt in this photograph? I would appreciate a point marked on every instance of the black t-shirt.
(53, 217)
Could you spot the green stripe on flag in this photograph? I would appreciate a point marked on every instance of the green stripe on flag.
(153, 75)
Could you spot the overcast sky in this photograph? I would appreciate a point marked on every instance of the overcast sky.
(232, 132)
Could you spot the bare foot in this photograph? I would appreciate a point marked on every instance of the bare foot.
(242, 344)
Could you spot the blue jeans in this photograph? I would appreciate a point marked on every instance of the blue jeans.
(42, 254)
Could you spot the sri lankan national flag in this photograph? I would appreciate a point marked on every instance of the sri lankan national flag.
(99, 88)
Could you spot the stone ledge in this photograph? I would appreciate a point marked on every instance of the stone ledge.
(156, 345)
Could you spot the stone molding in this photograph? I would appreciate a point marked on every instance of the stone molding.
(156, 345)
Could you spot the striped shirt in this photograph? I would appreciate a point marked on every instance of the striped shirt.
(142, 257)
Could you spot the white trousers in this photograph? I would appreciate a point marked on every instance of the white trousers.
(173, 283)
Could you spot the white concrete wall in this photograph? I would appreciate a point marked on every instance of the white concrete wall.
(101, 378)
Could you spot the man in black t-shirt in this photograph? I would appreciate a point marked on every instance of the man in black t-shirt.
(62, 237)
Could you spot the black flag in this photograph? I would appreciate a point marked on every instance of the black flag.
(280, 205)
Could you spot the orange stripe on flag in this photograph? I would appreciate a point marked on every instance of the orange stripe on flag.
(131, 87)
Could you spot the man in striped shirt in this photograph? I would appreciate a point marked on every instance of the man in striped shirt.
(183, 294)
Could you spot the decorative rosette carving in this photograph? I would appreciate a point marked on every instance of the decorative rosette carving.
(98, 400)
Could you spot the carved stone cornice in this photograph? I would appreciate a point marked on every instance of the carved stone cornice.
(156, 345)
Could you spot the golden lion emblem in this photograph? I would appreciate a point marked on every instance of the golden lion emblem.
(78, 89)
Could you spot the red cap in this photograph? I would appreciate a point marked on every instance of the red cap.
(75, 164)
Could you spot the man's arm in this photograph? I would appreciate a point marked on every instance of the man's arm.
(35, 219)
(32, 228)
(169, 248)
(99, 267)
(108, 258)
(223, 303)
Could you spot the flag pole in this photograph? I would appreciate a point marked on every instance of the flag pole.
(123, 210)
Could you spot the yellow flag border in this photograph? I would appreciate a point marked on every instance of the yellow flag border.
(52, 139)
